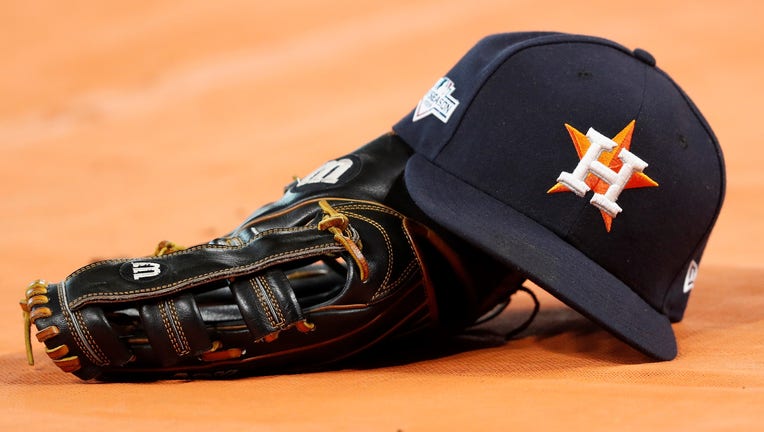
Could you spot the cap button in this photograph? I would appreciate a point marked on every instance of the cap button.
(644, 56)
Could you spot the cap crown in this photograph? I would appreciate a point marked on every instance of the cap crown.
(528, 109)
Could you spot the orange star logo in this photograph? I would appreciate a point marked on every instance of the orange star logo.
(611, 160)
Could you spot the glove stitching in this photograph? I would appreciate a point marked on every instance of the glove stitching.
(257, 288)
(94, 354)
(273, 302)
(383, 290)
(168, 330)
(76, 332)
(410, 268)
(172, 334)
(376, 208)
(388, 245)
(231, 271)
(197, 247)
(415, 264)
(178, 327)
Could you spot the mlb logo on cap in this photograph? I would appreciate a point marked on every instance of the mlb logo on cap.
(582, 164)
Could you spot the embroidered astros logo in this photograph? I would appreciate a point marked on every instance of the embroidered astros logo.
(607, 167)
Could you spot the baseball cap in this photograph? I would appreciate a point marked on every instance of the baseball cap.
(580, 163)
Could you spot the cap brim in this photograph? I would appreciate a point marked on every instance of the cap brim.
(548, 260)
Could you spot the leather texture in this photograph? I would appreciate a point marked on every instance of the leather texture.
(281, 292)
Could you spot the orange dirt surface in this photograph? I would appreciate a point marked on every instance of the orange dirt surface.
(125, 123)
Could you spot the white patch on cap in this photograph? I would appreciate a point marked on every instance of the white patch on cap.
(689, 279)
(438, 101)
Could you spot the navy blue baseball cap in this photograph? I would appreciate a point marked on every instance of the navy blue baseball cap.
(580, 163)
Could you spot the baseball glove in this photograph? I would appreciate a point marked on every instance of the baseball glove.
(342, 261)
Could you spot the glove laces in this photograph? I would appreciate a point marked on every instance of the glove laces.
(338, 224)
(503, 306)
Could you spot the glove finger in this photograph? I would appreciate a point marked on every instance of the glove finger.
(175, 329)
(267, 303)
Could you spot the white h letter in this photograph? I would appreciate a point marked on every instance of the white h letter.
(589, 164)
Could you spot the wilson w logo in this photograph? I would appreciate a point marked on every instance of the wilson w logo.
(143, 270)
(328, 173)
